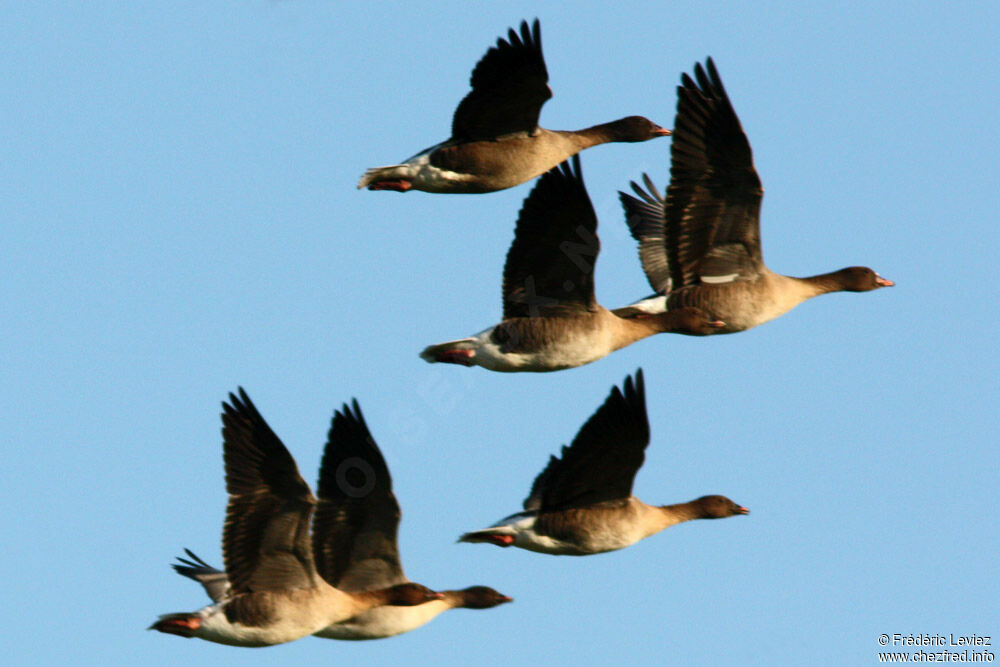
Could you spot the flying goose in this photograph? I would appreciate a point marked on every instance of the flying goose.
(701, 247)
(354, 538)
(495, 139)
(582, 503)
(551, 319)
(276, 595)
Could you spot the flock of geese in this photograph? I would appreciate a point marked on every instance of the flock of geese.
(328, 565)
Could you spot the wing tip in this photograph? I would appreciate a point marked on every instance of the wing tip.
(635, 398)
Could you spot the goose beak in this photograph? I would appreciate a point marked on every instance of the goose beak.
(883, 282)
(717, 324)
(506, 598)
(742, 510)
(662, 132)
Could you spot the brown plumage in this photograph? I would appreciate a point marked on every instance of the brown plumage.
(275, 593)
(582, 502)
(354, 531)
(265, 489)
(551, 318)
(701, 246)
(495, 139)
(355, 534)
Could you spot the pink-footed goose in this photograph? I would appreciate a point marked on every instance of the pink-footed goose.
(701, 247)
(551, 319)
(354, 538)
(582, 503)
(495, 139)
(276, 595)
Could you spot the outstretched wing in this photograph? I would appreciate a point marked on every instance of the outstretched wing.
(601, 463)
(214, 581)
(550, 264)
(509, 87)
(645, 219)
(265, 540)
(357, 518)
(713, 201)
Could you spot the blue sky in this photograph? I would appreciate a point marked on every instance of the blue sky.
(179, 217)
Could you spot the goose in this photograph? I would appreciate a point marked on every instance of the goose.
(354, 538)
(701, 246)
(582, 503)
(551, 319)
(276, 594)
(495, 139)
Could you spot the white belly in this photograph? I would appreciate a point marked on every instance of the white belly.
(598, 541)
(569, 352)
(217, 628)
(384, 622)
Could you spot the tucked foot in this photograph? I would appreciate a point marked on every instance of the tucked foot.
(396, 185)
(184, 625)
(499, 540)
(461, 357)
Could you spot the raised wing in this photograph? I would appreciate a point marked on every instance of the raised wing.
(550, 265)
(265, 540)
(533, 502)
(357, 518)
(713, 201)
(214, 581)
(601, 463)
(645, 219)
(509, 87)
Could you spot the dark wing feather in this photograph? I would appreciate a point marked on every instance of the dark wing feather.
(357, 518)
(509, 87)
(265, 541)
(214, 581)
(645, 219)
(713, 201)
(534, 500)
(550, 264)
(601, 463)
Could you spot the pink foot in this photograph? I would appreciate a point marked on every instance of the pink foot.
(397, 186)
(461, 357)
(501, 540)
(185, 626)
